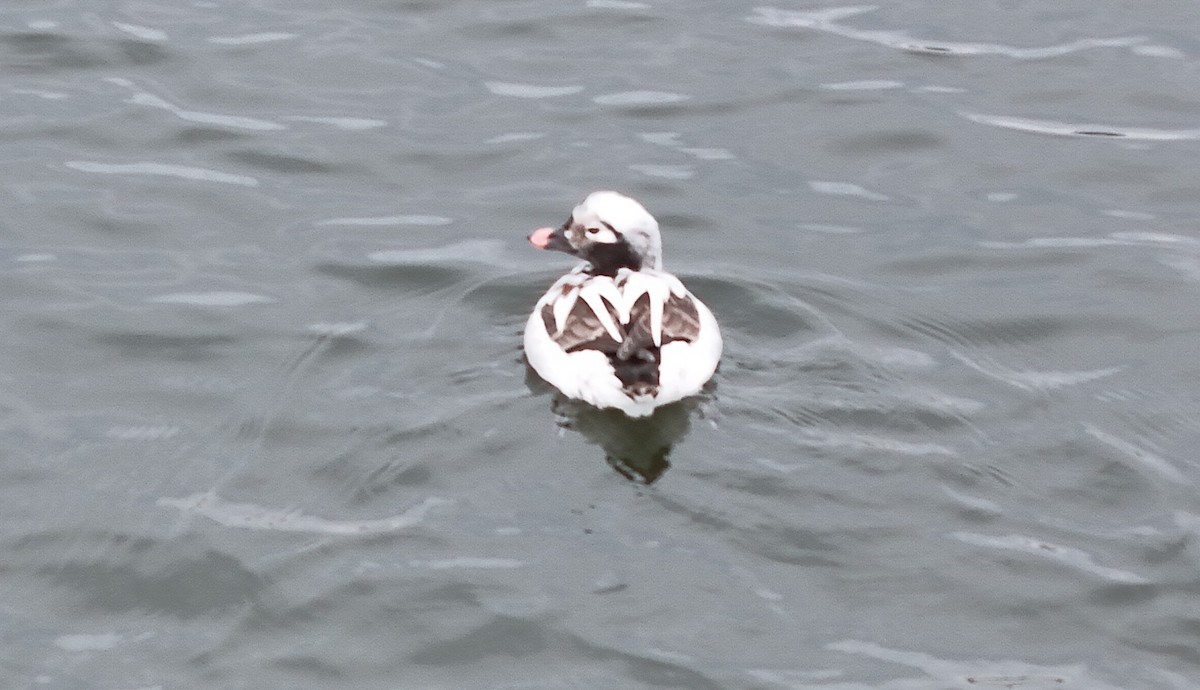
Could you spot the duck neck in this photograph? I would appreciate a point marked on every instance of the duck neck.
(608, 259)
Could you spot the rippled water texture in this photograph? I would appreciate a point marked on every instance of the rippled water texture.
(267, 424)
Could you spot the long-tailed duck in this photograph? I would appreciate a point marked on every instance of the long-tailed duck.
(618, 331)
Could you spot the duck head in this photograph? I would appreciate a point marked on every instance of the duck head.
(608, 230)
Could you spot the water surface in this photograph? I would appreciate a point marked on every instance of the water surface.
(267, 422)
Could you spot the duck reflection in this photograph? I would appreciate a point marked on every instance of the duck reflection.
(638, 448)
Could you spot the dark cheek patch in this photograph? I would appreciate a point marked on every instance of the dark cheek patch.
(578, 237)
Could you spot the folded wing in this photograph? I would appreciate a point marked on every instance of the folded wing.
(583, 329)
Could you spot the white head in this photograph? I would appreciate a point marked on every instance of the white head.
(610, 231)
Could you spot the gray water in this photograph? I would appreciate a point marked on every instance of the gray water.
(267, 424)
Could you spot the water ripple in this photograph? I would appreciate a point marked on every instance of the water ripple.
(640, 98)
(1066, 555)
(335, 350)
(1141, 456)
(145, 33)
(251, 39)
(165, 169)
(1067, 129)
(88, 642)
(467, 562)
(840, 440)
(346, 123)
(502, 88)
(485, 251)
(116, 571)
(669, 172)
(828, 21)
(222, 298)
(1029, 379)
(617, 5)
(671, 140)
(864, 85)
(256, 517)
(235, 121)
(515, 136)
(974, 673)
(375, 221)
(846, 189)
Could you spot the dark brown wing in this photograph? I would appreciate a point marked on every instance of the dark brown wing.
(582, 329)
(637, 334)
(635, 362)
(681, 320)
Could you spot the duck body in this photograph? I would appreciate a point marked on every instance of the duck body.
(618, 331)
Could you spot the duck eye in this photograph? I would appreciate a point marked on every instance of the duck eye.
(593, 231)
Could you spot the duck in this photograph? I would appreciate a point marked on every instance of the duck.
(617, 331)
